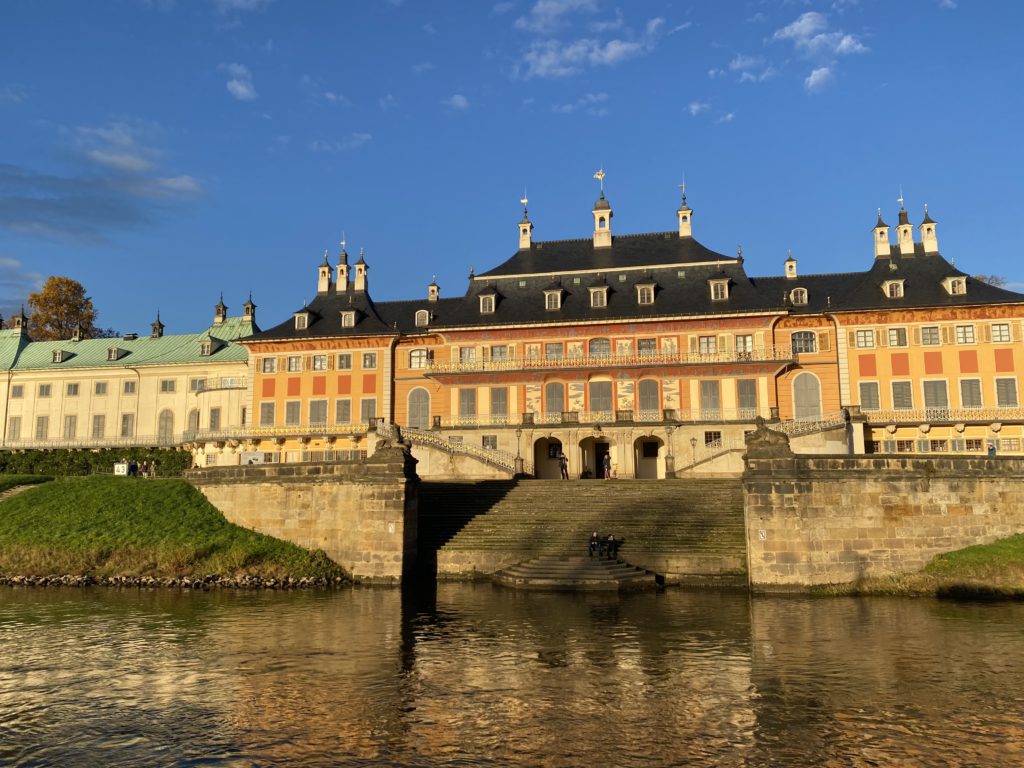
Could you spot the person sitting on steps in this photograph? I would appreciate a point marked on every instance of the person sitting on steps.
(612, 547)
(595, 543)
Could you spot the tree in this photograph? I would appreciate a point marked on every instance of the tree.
(997, 280)
(59, 308)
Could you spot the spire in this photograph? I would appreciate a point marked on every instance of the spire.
(249, 309)
(157, 327)
(904, 230)
(525, 226)
(602, 216)
(685, 215)
(929, 240)
(20, 321)
(220, 311)
(433, 290)
(342, 281)
(880, 234)
(360, 283)
(790, 264)
(326, 262)
(323, 275)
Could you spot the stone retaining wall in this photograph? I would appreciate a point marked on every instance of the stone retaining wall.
(361, 514)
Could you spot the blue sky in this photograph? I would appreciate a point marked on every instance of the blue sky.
(163, 151)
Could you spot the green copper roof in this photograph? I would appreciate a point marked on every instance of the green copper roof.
(144, 350)
(11, 344)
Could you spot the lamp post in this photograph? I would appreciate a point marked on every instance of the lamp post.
(693, 449)
(519, 458)
(670, 461)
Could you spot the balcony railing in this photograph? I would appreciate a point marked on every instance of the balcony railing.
(163, 441)
(940, 415)
(293, 430)
(571, 418)
(757, 355)
(224, 382)
(808, 425)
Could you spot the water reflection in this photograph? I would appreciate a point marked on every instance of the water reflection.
(474, 675)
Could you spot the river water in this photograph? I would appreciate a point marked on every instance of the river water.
(477, 675)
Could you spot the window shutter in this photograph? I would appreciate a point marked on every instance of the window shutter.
(853, 339)
(723, 342)
(917, 337)
(986, 333)
(1015, 329)
(881, 340)
(947, 335)
(889, 446)
(923, 446)
(759, 339)
(330, 361)
(957, 445)
(693, 345)
(824, 342)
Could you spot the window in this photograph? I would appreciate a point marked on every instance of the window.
(600, 348)
(598, 297)
(99, 425)
(317, 412)
(601, 397)
(746, 397)
(707, 345)
(418, 358)
(44, 390)
(719, 290)
(975, 444)
(798, 296)
(165, 426)
(648, 397)
(294, 364)
(422, 318)
(467, 402)
(499, 354)
(957, 287)
(710, 400)
(70, 427)
(72, 390)
(301, 321)
(1010, 444)
(1006, 393)
(196, 385)
(270, 365)
(713, 439)
(552, 300)
(167, 385)
(904, 446)
(804, 341)
(292, 413)
(215, 418)
(58, 356)
(897, 337)
(647, 347)
(489, 442)
(14, 428)
(554, 397)
(902, 395)
(744, 344)
(369, 360)
(348, 319)
(205, 348)
(894, 289)
(553, 351)
(965, 334)
(935, 394)
(42, 427)
(865, 339)
(127, 425)
(487, 304)
(343, 411)
(467, 354)
(345, 362)
(368, 409)
(267, 414)
(970, 393)
(100, 389)
(113, 353)
(1000, 333)
(645, 294)
(930, 336)
(938, 446)
(499, 401)
(17, 391)
(319, 362)
(869, 400)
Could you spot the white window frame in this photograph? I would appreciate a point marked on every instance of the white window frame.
(707, 345)
(1016, 401)
(419, 358)
(294, 364)
(924, 393)
(319, 362)
(893, 289)
(369, 361)
(599, 297)
(552, 300)
(292, 413)
(719, 290)
(645, 295)
(1002, 335)
(929, 329)
(344, 361)
(422, 318)
(878, 395)
(894, 337)
(268, 413)
(910, 391)
(348, 319)
(981, 396)
(269, 365)
(965, 334)
(865, 339)
(301, 322)
(798, 297)
(487, 304)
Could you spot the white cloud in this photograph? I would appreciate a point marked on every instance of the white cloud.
(429, 29)
(317, 92)
(16, 283)
(387, 101)
(696, 107)
(12, 94)
(423, 66)
(240, 85)
(350, 142)
(230, 6)
(809, 35)
(590, 103)
(806, 26)
(818, 79)
(741, 62)
(949, 5)
(715, 72)
(456, 101)
(546, 16)
(606, 26)
(726, 118)
(759, 77)
(550, 58)
(116, 146)
(680, 27)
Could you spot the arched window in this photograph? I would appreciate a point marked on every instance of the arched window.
(165, 425)
(422, 318)
(600, 348)
(601, 397)
(419, 408)
(807, 396)
(648, 397)
(418, 358)
(804, 341)
(554, 397)
(798, 296)
(193, 420)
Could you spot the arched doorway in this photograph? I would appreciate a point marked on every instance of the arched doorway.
(546, 451)
(592, 453)
(806, 396)
(649, 458)
(165, 426)
(419, 409)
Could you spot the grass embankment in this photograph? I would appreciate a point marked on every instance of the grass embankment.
(12, 481)
(116, 526)
(988, 571)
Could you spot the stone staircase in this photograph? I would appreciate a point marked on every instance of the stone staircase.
(688, 531)
(575, 573)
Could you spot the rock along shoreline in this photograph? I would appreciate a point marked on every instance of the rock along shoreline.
(204, 583)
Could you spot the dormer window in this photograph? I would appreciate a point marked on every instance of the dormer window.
(487, 304)
(58, 355)
(348, 318)
(206, 348)
(552, 300)
(893, 289)
(301, 321)
(645, 294)
(956, 286)
(798, 296)
(422, 318)
(599, 297)
(719, 290)
(113, 353)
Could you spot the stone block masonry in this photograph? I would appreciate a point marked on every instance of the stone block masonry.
(839, 519)
(361, 514)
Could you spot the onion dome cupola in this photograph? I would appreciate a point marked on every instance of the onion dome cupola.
(360, 283)
(881, 237)
(220, 311)
(342, 281)
(157, 328)
(602, 217)
(929, 240)
(323, 275)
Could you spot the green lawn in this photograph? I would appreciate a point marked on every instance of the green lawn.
(117, 526)
(10, 481)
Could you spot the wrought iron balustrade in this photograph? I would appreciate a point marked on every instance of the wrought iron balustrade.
(942, 415)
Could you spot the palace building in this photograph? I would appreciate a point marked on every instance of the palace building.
(650, 348)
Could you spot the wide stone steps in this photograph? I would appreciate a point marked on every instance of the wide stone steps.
(575, 573)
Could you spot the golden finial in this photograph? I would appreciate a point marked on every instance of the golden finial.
(600, 177)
